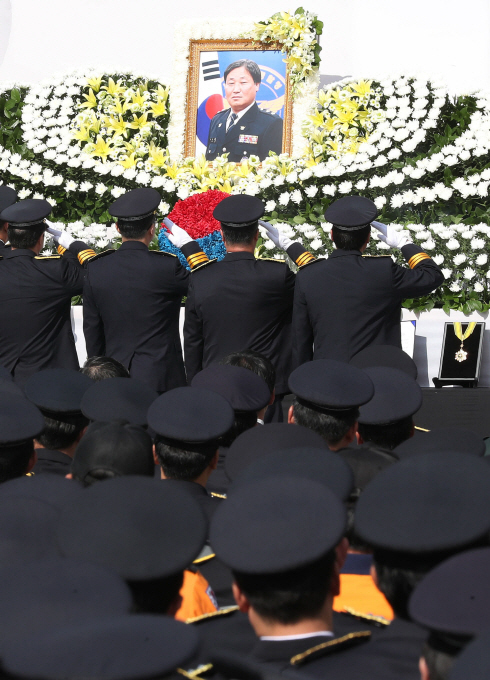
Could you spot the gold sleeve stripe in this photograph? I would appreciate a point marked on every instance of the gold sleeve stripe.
(295, 660)
(416, 259)
(60, 250)
(304, 258)
(85, 255)
(197, 258)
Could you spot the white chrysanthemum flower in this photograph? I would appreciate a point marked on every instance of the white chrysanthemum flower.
(481, 259)
(382, 245)
(455, 287)
(429, 244)
(292, 178)
(100, 188)
(345, 187)
(24, 193)
(379, 201)
(279, 180)
(284, 198)
(478, 288)
(447, 273)
(452, 244)
(117, 191)
(438, 259)
(477, 243)
(316, 244)
(86, 186)
(305, 174)
(71, 186)
(469, 273)
(329, 189)
(51, 201)
(312, 191)
(296, 196)
(459, 259)
(270, 206)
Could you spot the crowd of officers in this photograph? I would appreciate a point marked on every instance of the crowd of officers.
(152, 525)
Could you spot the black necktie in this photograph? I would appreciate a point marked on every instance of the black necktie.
(232, 120)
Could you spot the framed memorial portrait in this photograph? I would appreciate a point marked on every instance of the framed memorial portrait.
(238, 100)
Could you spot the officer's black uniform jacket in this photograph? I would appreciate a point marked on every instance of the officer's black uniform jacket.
(264, 128)
(348, 302)
(35, 299)
(131, 306)
(52, 461)
(236, 304)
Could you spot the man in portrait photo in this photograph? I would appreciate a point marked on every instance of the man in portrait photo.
(243, 130)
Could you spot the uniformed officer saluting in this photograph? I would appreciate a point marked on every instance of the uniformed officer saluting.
(241, 302)
(131, 300)
(349, 302)
(36, 292)
(243, 130)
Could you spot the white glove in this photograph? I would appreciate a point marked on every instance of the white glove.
(275, 235)
(179, 237)
(392, 237)
(59, 236)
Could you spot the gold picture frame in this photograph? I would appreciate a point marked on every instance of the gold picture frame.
(196, 48)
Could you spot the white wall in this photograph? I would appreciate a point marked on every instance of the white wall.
(445, 38)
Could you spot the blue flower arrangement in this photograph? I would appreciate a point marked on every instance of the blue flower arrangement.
(212, 245)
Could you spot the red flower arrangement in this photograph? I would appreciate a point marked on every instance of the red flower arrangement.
(195, 214)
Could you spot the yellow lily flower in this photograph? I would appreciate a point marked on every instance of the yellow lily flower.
(94, 125)
(139, 123)
(138, 99)
(159, 108)
(83, 135)
(94, 83)
(100, 148)
(120, 107)
(91, 102)
(317, 118)
(116, 125)
(158, 157)
(162, 93)
(226, 187)
(129, 162)
(113, 88)
(362, 88)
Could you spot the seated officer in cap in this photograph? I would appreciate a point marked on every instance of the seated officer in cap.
(102, 368)
(285, 565)
(148, 537)
(20, 422)
(8, 197)
(243, 129)
(348, 302)
(328, 394)
(453, 602)
(261, 366)
(188, 423)
(131, 300)
(58, 392)
(409, 516)
(36, 292)
(242, 302)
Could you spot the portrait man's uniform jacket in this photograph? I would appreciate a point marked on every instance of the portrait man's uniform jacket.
(348, 302)
(131, 306)
(236, 304)
(254, 134)
(35, 298)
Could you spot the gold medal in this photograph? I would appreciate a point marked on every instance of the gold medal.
(461, 355)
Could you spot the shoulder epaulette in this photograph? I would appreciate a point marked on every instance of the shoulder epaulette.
(374, 257)
(420, 429)
(212, 615)
(377, 620)
(102, 254)
(213, 494)
(47, 257)
(309, 262)
(196, 673)
(270, 259)
(162, 252)
(331, 646)
(204, 264)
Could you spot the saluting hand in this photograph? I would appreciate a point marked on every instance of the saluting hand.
(179, 237)
(392, 237)
(59, 236)
(278, 239)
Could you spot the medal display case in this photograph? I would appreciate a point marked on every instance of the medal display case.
(461, 354)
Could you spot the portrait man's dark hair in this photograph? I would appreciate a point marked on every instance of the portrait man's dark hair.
(251, 66)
